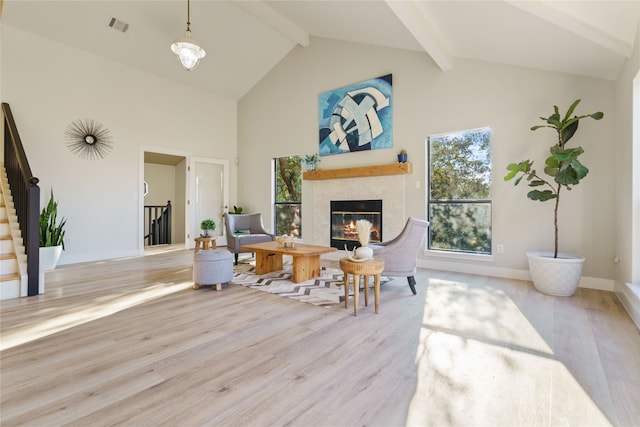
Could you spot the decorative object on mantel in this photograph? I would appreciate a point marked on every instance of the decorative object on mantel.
(237, 210)
(88, 139)
(187, 48)
(311, 161)
(402, 156)
(361, 171)
(356, 117)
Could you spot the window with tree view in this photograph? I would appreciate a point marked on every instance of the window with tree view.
(288, 196)
(459, 191)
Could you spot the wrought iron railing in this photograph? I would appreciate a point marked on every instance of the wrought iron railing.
(26, 197)
(157, 224)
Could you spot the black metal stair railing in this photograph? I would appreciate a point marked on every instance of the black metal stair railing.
(26, 197)
(157, 224)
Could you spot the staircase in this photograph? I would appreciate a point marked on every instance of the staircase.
(20, 195)
(13, 278)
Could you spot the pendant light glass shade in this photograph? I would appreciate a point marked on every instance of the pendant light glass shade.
(188, 50)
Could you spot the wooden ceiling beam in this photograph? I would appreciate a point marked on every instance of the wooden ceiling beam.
(413, 17)
(276, 21)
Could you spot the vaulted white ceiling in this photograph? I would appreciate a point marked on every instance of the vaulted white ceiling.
(245, 39)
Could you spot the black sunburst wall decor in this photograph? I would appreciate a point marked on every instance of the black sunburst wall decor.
(88, 139)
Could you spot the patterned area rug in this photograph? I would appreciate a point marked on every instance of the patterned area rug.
(325, 290)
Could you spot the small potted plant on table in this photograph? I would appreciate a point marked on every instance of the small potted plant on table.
(207, 226)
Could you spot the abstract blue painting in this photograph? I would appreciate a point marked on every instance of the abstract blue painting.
(356, 117)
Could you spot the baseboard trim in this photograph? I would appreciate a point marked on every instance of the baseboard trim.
(508, 273)
(76, 259)
(481, 269)
(598, 283)
(629, 296)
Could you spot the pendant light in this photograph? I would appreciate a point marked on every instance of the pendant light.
(188, 50)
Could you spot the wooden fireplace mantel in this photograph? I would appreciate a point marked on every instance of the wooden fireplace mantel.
(375, 170)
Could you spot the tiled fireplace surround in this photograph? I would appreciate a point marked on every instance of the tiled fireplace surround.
(391, 189)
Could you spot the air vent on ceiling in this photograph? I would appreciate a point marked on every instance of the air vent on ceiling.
(117, 24)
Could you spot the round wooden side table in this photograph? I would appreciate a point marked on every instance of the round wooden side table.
(205, 243)
(372, 267)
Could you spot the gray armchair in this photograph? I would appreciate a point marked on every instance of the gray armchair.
(400, 254)
(245, 229)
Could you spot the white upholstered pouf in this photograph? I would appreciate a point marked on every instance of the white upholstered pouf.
(212, 267)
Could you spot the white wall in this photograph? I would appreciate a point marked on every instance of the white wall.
(279, 117)
(53, 85)
(623, 149)
(179, 233)
(628, 270)
(161, 180)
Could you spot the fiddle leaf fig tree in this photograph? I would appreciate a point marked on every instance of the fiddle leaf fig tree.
(563, 167)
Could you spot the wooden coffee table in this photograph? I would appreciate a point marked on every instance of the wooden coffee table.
(306, 259)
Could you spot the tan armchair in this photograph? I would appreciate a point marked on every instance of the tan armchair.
(400, 254)
(245, 229)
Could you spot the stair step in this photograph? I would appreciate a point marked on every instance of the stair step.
(8, 277)
(6, 245)
(5, 229)
(10, 289)
(9, 264)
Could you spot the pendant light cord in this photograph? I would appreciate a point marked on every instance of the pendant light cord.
(188, 16)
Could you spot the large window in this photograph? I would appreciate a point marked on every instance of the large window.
(288, 196)
(459, 191)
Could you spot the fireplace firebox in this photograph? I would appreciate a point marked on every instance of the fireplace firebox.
(345, 213)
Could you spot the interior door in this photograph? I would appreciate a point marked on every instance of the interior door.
(208, 196)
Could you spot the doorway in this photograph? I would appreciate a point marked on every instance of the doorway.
(195, 188)
(164, 183)
(209, 189)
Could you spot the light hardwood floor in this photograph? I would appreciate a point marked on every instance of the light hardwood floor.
(128, 342)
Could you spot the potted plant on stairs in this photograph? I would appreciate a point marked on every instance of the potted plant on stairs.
(51, 235)
(555, 273)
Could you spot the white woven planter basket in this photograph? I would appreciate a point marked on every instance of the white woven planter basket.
(555, 276)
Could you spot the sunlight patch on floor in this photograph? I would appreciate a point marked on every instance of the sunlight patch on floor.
(482, 361)
(87, 314)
